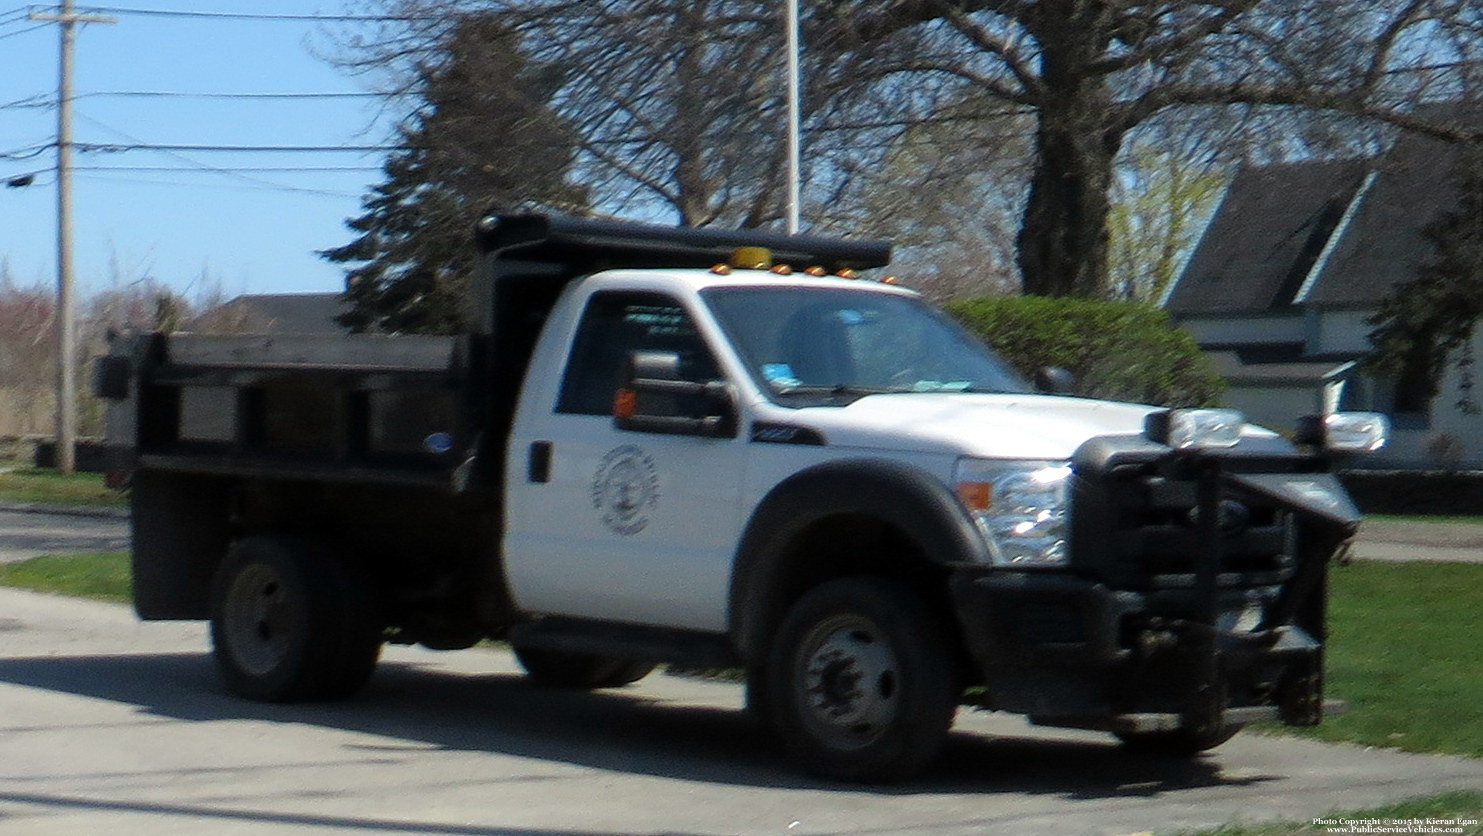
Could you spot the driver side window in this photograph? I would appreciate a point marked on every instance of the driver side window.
(615, 324)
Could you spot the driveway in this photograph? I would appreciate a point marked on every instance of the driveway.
(111, 726)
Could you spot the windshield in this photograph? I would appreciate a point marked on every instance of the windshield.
(827, 345)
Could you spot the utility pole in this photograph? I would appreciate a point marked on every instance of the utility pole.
(795, 166)
(66, 447)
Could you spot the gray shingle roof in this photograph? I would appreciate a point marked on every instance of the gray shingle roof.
(287, 313)
(1330, 234)
(1384, 243)
(1267, 233)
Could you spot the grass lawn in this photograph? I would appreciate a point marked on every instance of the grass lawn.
(1417, 518)
(1406, 653)
(100, 575)
(34, 484)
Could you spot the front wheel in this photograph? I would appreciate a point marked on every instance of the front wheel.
(290, 621)
(861, 684)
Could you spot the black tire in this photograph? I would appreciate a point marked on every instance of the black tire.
(563, 669)
(1178, 743)
(290, 622)
(756, 694)
(861, 685)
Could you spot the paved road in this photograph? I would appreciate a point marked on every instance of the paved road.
(112, 726)
(26, 532)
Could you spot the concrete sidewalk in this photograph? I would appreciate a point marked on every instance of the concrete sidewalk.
(1410, 541)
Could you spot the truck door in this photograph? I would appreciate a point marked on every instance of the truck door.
(619, 525)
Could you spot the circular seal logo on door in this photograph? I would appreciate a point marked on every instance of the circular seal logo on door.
(625, 488)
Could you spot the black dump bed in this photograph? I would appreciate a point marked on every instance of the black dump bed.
(376, 409)
(352, 407)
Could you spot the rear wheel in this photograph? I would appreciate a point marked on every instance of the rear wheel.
(860, 685)
(565, 669)
(289, 622)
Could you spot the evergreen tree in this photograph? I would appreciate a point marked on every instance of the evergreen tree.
(483, 140)
(1431, 316)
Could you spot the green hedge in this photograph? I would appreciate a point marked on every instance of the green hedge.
(1125, 351)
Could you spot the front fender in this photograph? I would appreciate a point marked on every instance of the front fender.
(903, 497)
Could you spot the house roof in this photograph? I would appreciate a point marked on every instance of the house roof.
(1385, 241)
(286, 313)
(1332, 234)
(1268, 232)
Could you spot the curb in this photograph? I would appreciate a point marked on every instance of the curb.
(96, 511)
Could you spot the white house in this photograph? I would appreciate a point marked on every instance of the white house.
(1294, 262)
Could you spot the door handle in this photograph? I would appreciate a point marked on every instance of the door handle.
(538, 465)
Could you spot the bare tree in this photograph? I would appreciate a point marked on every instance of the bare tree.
(27, 357)
(1092, 71)
(949, 192)
(1166, 185)
(678, 103)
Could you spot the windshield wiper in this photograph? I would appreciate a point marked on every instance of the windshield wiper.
(837, 389)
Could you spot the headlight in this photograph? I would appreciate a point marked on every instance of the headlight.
(1021, 507)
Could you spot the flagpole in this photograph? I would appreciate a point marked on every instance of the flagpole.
(795, 119)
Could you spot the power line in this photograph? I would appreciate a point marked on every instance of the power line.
(206, 167)
(43, 101)
(19, 32)
(27, 153)
(243, 169)
(118, 148)
(194, 168)
(174, 94)
(261, 16)
(246, 184)
(14, 16)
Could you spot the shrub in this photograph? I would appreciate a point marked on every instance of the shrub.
(1127, 351)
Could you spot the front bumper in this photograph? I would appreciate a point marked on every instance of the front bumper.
(1068, 651)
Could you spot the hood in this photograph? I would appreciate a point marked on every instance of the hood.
(991, 426)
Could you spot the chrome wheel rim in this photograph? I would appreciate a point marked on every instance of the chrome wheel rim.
(260, 619)
(848, 682)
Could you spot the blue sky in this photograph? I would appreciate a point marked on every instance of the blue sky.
(246, 231)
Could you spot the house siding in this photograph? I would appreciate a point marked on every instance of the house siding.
(1294, 263)
(1272, 329)
(1341, 332)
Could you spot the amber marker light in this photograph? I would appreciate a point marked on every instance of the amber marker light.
(751, 258)
(625, 403)
(817, 271)
(976, 496)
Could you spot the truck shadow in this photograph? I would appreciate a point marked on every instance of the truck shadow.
(632, 730)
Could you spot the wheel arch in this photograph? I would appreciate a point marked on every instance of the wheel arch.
(856, 516)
